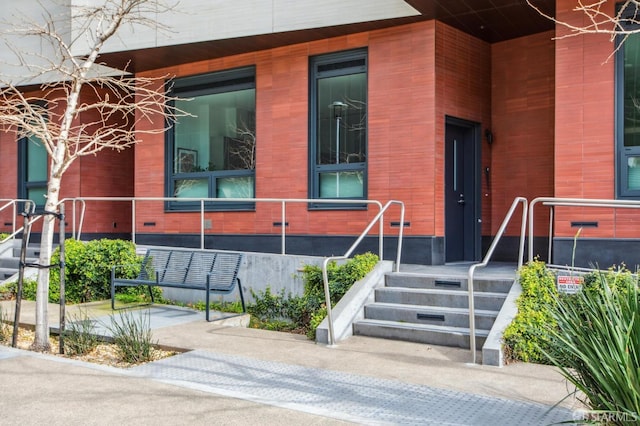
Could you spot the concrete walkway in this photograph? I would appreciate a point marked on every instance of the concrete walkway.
(234, 375)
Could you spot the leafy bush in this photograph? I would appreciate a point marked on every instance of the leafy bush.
(277, 311)
(133, 337)
(616, 277)
(79, 335)
(527, 338)
(305, 313)
(599, 341)
(341, 277)
(88, 268)
(5, 329)
(29, 289)
(4, 236)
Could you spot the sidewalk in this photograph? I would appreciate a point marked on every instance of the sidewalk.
(279, 378)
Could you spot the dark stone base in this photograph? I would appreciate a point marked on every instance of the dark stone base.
(424, 250)
(508, 247)
(597, 252)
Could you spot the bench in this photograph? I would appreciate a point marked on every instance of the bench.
(209, 271)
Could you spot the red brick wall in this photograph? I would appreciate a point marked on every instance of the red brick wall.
(584, 146)
(463, 90)
(8, 177)
(523, 102)
(400, 140)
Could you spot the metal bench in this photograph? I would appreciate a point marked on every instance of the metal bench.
(209, 271)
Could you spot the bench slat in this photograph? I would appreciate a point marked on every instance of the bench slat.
(194, 270)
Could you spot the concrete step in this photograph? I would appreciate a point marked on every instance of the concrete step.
(33, 251)
(420, 333)
(436, 315)
(399, 279)
(449, 298)
(14, 262)
(6, 273)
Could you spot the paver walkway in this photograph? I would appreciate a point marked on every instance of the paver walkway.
(339, 395)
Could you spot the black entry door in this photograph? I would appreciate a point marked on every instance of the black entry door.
(462, 230)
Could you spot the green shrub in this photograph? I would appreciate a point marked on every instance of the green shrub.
(341, 277)
(616, 277)
(29, 290)
(80, 336)
(88, 269)
(6, 331)
(599, 342)
(132, 337)
(527, 337)
(316, 319)
(305, 313)
(4, 236)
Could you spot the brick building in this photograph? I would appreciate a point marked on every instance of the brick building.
(454, 108)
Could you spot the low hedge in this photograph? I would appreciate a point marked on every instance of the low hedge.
(278, 311)
(87, 270)
(529, 337)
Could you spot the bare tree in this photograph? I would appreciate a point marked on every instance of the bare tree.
(79, 107)
(601, 18)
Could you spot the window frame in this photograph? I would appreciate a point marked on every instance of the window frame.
(23, 164)
(315, 170)
(622, 153)
(200, 85)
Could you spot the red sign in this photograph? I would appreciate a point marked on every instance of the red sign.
(569, 284)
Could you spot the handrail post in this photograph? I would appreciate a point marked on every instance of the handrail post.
(15, 216)
(327, 300)
(400, 237)
(531, 208)
(73, 218)
(325, 274)
(472, 314)
(133, 220)
(550, 242)
(201, 224)
(381, 238)
(283, 232)
(485, 261)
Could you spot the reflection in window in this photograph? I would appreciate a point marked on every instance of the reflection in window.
(339, 125)
(628, 117)
(213, 151)
(33, 170)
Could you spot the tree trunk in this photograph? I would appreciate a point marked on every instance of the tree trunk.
(41, 340)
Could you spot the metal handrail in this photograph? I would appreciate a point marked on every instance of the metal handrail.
(77, 232)
(325, 263)
(30, 206)
(570, 202)
(485, 261)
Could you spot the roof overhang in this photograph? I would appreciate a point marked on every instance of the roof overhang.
(489, 20)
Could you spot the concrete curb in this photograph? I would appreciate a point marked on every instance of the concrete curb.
(492, 351)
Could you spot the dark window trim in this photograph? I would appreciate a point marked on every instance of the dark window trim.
(23, 161)
(200, 85)
(622, 152)
(324, 66)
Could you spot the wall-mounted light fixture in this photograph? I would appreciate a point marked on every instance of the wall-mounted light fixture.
(489, 136)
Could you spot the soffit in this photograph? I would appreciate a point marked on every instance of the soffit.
(489, 20)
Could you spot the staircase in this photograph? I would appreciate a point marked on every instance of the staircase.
(433, 306)
(10, 258)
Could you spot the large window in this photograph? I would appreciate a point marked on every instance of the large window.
(338, 126)
(628, 114)
(212, 152)
(32, 170)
